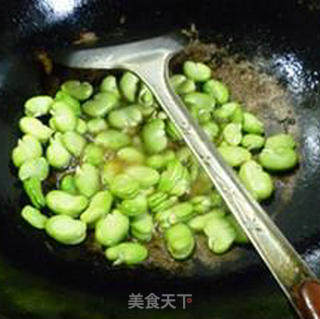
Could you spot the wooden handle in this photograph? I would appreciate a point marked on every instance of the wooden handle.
(308, 299)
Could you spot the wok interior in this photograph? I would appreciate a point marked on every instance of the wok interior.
(272, 40)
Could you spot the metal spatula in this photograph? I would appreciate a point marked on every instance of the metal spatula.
(149, 60)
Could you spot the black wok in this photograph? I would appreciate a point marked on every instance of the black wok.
(277, 40)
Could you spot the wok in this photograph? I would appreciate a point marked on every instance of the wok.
(267, 52)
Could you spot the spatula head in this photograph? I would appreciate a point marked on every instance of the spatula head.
(113, 57)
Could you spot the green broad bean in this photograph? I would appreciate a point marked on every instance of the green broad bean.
(67, 184)
(67, 98)
(38, 105)
(28, 148)
(154, 131)
(127, 253)
(198, 223)
(112, 139)
(258, 182)
(101, 104)
(37, 168)
(201, 204)
(280, 141)
(175, 180)
(220, 233)
(252, 124)
(144, 175)
(179, 241)
(145, 96)
(99, 207)
(93, 154)
(226, 111)
(216, 199)
(97, 125)
(131, 155)
(234, 155)
(178, 213)
(181, 85)
(241, 237)
(66, 230)
(79, 90)
(211, 129)
(173, 132)
(161, 201)
(184, 155)
(63, 118)
(129, 84)
(135, 206)
(34, 217)
(126, 117)
(87, 179)
(203, 102)
(237, 116)
(124, 186)
(217, 90)
(278, 159)
(110, 170)
(197, 72)
(232, 134)
(142, 227)
(147, 111)
(34, 127)
(159, 161)
(176, 80)
(74, 143)
(252, 142)
(33, 189)
(57, 155)
(63, 203)
(81, 127)
(109, 84)
(112, 229)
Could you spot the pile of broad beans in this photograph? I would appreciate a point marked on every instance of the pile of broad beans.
(124, 172)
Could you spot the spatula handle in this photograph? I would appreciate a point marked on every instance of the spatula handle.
(307, 296)
(283, 261)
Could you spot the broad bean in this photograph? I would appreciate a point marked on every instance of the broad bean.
(79, 90)
(38, 105)
(135, 206)
(234, 155)
(154, 136)
(34, 127)
(197, 72)
(251, 124)
(126, 117)
(142, 227)
(63, 118)
(124, 186)
(101, 104)
(93, 154)
(220, 233)
(37, 168)
(33, 189)
(258, 182)
(28, 148)
(112, 139)
(179, 241)
(63, 203)
(129, 86)
(127, 253)
(252, 141)
(34, 217)
(66, 230)
(112, 229)
(217, 90)
(232, 134)
(87, 179)
(57, 155)
(99, 206)
(73, 142)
